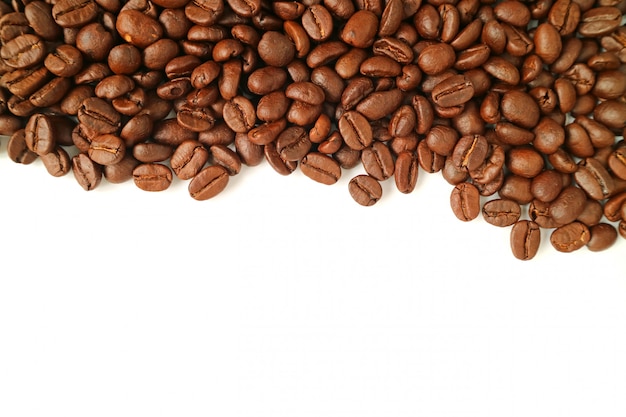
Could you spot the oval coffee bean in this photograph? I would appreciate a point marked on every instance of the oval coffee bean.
(465, 201)
(603, 236)
(378, 161)
(525, 239)
(106, 149)
(88, 174)
(355, 130)
(365, 190)
(501, 212)
(208, 183)
(152, 177)
(453, 91)
(570, 237)
(321, 168)
(406, 171)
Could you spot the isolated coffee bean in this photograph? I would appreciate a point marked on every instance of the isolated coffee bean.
(88, 174)
(570, 237)
(501, 212)
(525, 239)
(465, 201)
(208, 183)
(365, 190)
(17, 150)
(603, 236)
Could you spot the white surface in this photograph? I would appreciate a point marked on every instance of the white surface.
(283, 297)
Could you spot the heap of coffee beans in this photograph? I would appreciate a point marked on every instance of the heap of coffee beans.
(519, 104)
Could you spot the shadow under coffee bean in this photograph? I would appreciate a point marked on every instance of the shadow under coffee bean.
(521, 106)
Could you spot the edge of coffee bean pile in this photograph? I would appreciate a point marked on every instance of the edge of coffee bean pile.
(520, 106)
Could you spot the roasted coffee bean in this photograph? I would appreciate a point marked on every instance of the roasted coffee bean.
(74, 13)
(355, 130)
(360, 29)
(568, 205)
(318, 23)
(39, 134)
(57, 162)
(365, 190)
(603, 236)
(525, 161)
(208, 183)
(594, 179)
(151, 152)
(465, 201)
(122, 171)
(106, 149)
(380, 104)
(546, 186)
(293, 143)
(501, 212)
(239, 114)
(517, 188)
(453, 91)
(24, 51)
(152, 177)
(570, 237)
(378, 161)
(617, 163)
(406, 171)
(17, 149)
(470, 152)
(321, 168)
(525, 239)
(88, 174)
(99, 115)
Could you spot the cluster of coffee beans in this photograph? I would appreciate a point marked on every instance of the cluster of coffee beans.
(519, 104)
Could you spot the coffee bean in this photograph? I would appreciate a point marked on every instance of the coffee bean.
(88, 174)
(603, 236)
(453, 91)
(406, 171)
(568, 205)
(378, 161)
(293, 143)
(74, 13)
(321, 168)
(208, 183)
(355, 130)
(365, 190)
(570, 237)
(465, 201)
(525, 239)
(152, 177)
(501, 212)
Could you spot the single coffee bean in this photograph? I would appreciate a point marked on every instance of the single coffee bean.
(306, 92)
(436, 58)
(293, 143)
(378, 161)
(188, 159)
(355, 130)
(321, 168)
(276, 49)
(99, 115)
(470, 152)
(39, 134)
(137, 28)
(433, 162)
(546, 186)
(74, 13)
(568, 205)
(147, 152)
(525, 161)
(318, 23)
(525, 239)
(24, 51)
(453, 91)
(239, 114)
(603, 236)
(17, 150)
(106, 149)
(465, 201)
(501, 212)
(64, 61)
(152, 177)
(365, 190)
(122, 171)
(617, 162)
(227, 158)
(57, 162)
(516, 188)
(594, 179)
(406, 171)
(208, 183)
(360, 29)
(570, 237)
(380, 104)
(88, 174)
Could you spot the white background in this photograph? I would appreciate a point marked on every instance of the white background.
(283, 297)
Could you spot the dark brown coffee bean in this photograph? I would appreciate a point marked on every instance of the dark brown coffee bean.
(427, 21)
(520, 108)
(24, 51)
(276, 49)
(306, 92)
(39, 134)
(525, 161)
(406, 171)
(293, 143)
(137, 28)
(433, 162)
(360, 30)
(517, 188)
(209, 182)
(17, 150)
(436, 58)
(188, 159)
(106, 149)
(465, 201)
(603, 236)
(380, 104)
(470, 152)
(355, 130)
(570, 237)
(74, 13)
(267, 132)
(501, 212)
(611, 113)
(328, 79)
(318, 23)
(393, 48)
(57, 162)
(347, 66)
(152, 177)
(122, 171)
(525, 239)
(99, 115)
(594, 179)
(453, 91)
(227, 158)
(599, 21)
(64, 61)
(378, 161)
(617, 163)
(546, 186)
(365, 190)
(321, 168)
(152, 152)
(502, 70)
(88, 174)
(568, 205)
(240, 114)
